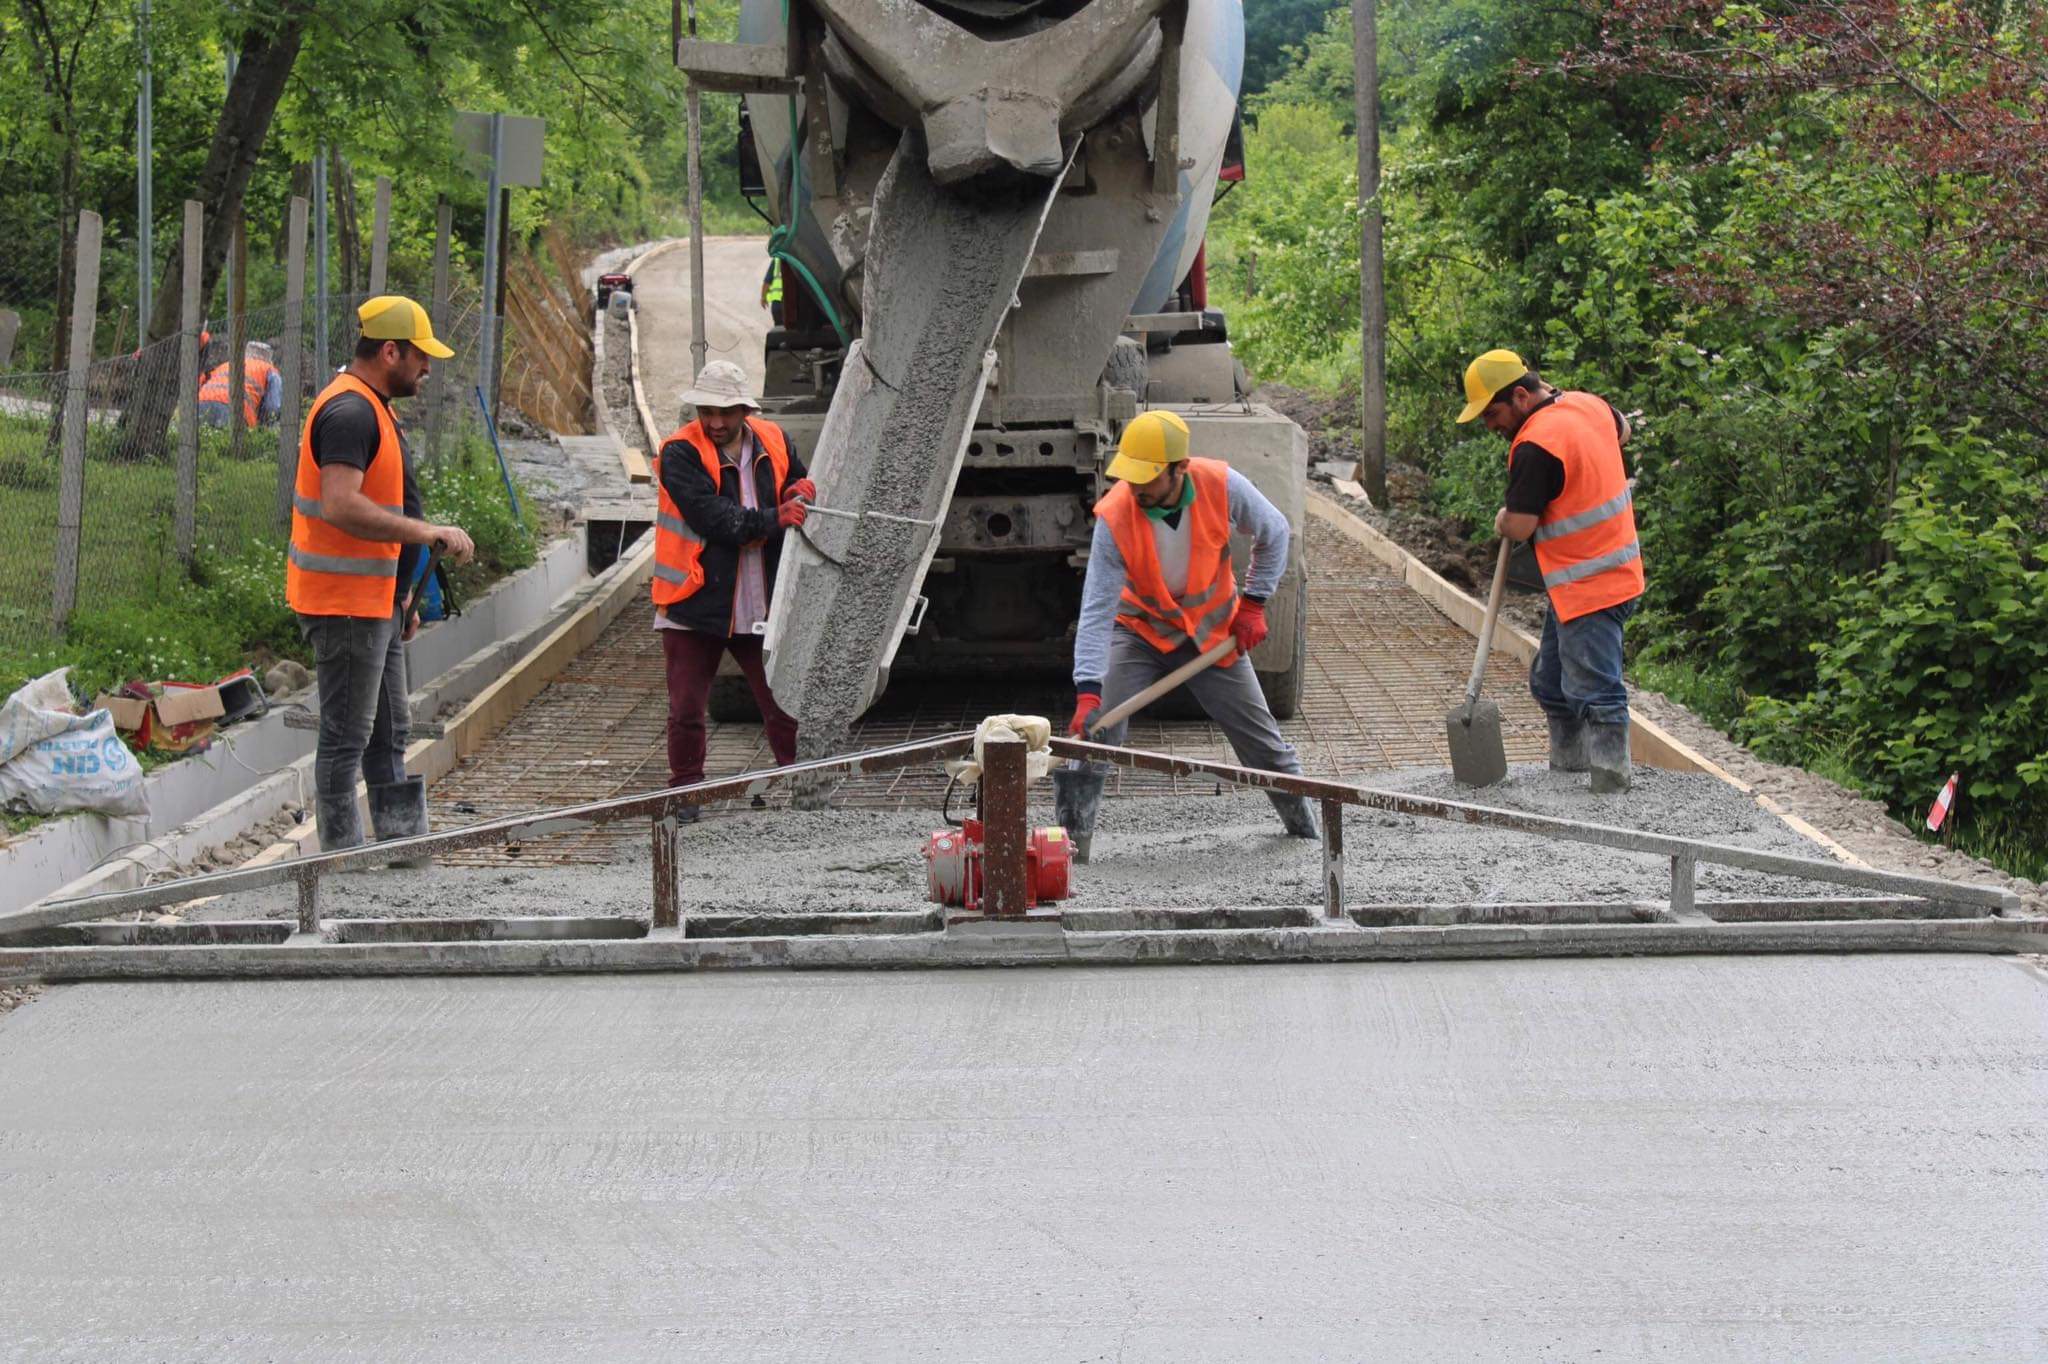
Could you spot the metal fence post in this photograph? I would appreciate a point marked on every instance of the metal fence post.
(668, 870)
(438, 386)
(238, 326)
(321, 322)
(186, 517)
(291, 370)
(380, 235)
(85, 298)
(1333, 859)
(10, 324)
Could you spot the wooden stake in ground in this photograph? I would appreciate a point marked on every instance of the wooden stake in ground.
(71, 478)
(185, 513)
(1372, 284)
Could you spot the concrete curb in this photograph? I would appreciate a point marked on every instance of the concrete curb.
(1649, 742)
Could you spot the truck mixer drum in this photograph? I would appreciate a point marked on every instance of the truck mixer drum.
(953, 865)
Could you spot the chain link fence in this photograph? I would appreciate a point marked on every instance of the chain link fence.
(132, 548)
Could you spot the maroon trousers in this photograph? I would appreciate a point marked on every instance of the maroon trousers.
(692, 660)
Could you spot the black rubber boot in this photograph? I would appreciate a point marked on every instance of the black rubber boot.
(1567, 745)
(1607, 757)
(339, 821)
(1296, 815)
(1077, 800)
(399, 810)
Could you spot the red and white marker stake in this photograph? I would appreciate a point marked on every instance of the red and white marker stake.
(1938, 812)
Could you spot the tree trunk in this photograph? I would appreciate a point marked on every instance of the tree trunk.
(267, 57)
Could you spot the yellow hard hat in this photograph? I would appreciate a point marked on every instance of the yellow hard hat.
(394, 317)
(1488, 375)
(1151, 441)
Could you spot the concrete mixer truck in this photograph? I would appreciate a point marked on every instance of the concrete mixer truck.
(990, 219)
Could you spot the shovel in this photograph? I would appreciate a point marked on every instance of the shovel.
(1076, 791)
(1478, 757)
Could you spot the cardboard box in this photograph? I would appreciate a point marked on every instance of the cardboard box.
(129, 712)
(182, 703)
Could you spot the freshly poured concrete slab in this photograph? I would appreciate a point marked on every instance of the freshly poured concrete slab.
(1688, 1158)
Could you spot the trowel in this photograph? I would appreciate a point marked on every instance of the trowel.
(1077, 789)
(1478, 755)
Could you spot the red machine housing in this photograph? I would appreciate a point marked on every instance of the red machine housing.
(953, 865)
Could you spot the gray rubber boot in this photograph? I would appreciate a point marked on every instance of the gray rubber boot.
(1567, 744)
(339, 821)
(1607, 757)
(1296, 814)
(399, 810)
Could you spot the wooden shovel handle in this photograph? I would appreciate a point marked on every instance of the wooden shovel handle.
(1500, 584)
(1162, 686)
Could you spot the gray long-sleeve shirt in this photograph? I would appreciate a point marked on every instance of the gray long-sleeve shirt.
(1250, 514)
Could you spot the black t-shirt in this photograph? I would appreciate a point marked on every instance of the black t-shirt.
(1535, 476)
(345, 432)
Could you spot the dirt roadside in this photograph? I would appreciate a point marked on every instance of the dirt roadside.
(1860, 824)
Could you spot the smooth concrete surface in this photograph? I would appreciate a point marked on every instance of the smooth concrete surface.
(1695, 1158)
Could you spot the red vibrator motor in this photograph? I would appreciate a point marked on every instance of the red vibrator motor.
(953, 865)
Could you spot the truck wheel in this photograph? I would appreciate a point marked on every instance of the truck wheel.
(1126, 367)
(1283, 689)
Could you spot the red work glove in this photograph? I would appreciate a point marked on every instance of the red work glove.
(1085, 706)
(790, 513)
(802, 488)
(1249, 624)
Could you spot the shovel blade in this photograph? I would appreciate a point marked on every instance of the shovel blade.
(1076, 799)
(1478, 756)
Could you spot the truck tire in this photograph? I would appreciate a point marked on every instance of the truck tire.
(1126, 367)
(1283, 689)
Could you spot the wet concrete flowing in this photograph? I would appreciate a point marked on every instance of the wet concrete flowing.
(893, 438)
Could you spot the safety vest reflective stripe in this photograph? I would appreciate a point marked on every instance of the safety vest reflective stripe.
(337, 563)
(328, 571)
(310, 506)
(1586, 568)
(678, 550)
(1592, 516)
(1201, 613)
(1586, 545)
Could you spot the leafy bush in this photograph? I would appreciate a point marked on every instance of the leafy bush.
(468, 491)
(1939, 660)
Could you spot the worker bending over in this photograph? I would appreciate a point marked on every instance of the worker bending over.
(357, 532)
(262, 389)
(1568, 490)
(1160, 591)
(728, 486)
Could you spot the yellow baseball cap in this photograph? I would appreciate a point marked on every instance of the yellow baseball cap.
(394, 317)
(1151, 441)
(1488, 375)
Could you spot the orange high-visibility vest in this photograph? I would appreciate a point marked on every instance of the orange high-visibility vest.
(329, 572)
(1201, 614)
(678, 551)
(255, 379)
(1586, 538)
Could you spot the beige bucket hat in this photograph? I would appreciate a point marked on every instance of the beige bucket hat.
(720, 384)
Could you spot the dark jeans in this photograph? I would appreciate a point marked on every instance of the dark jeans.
(365, 718)
(1577, 672)
(692, 662)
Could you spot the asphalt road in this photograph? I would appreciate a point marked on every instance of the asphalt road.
(734, 320)
(1778, 1158)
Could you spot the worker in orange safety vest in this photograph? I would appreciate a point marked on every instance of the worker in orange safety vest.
(262, 389)
(357, 532)
(1161, 590)
(1569, 492)
(728, 486)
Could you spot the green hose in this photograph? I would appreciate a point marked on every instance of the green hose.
(785, 233)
